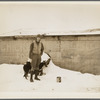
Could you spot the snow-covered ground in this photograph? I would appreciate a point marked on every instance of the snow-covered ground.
(73, 84)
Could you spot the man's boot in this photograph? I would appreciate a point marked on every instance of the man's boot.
(31, 77)
(36, 75)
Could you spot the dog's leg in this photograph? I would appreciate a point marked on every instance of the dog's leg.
(41, 72)
(26, 75)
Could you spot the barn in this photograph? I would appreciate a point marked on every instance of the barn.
(79, 51)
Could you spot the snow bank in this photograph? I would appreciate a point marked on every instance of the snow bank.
(12, 81)
(44, 57)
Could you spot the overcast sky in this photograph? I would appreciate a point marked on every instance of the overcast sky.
(55, 16)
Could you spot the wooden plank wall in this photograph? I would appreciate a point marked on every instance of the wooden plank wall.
(80, 53)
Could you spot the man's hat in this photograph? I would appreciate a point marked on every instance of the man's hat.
(38, 36)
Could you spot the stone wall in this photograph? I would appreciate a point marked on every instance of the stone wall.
(80, 53)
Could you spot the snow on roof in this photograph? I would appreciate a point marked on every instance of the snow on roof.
(23, 32)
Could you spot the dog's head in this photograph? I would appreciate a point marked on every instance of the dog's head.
(44, 63)
(28, 63)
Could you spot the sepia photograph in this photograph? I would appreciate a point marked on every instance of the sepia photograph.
(50, 49)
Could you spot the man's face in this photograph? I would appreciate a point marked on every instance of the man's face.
(38, 39)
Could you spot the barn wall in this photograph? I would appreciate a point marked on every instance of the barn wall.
(80, 53)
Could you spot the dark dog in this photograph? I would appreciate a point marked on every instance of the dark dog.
(27, 67)
(41, 67)
(44, 63)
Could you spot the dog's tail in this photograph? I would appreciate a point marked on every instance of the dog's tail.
(48, 54)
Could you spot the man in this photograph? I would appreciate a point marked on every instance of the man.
(36, 51)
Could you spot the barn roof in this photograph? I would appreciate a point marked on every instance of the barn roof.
(52, 33)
